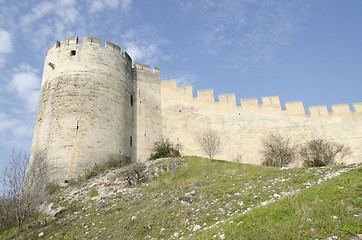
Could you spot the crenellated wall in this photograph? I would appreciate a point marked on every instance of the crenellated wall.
(94, 102)
(243, 126)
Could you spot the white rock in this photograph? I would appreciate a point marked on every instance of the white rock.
(176, 234)
(196, 228)
(276, 195)
(133, 218)
(41, 234)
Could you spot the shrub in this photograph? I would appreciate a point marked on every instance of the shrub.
(277, 151)
(135, 173)
(320, 152)
(165, 148)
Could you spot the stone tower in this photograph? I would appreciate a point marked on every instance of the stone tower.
(94, 103)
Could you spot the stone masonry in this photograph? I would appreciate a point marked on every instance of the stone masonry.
(94, 102)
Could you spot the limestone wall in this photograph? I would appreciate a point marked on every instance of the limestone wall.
(147, 113)
(94, 102)
(85, 110)
(244, 126)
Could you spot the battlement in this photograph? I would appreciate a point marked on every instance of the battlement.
(89, 41)
(271, 104)
(145, 68)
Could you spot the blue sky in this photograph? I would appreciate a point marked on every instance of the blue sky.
(300, 50)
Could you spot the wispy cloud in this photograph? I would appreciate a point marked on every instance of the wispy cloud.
(99, 5)
(15, 132)
(6, 45)
(248, 31)
(182, 79)
(47, 21)
(144, 45)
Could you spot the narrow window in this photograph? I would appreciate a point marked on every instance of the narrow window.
(130, 141)
(73, 53)
(52, 65)
(131, 100)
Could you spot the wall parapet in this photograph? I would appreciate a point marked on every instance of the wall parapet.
(271, 104)
(144, 68)
(89, 41)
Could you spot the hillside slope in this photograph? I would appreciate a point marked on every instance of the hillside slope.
(192, 198)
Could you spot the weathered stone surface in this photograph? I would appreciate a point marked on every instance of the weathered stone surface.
(94, 102)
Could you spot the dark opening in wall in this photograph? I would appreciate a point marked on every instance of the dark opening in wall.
(131, 100)
(73, 53)
(130, 141)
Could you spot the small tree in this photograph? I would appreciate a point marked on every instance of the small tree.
(277, 151)
(23, 190)
(209, 141)
(319, 152)
(165, 148)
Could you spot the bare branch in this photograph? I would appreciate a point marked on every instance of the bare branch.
(210, 142)
(23, 189)
(277, 151)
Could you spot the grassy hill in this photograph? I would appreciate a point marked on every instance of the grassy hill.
(206, 200)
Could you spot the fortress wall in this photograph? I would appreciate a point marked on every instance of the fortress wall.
(147, 111)
(295, 108)
(318, 111)
(94, 102)
(357, 107)
(84, 111)
(243, 128)
(340, 109)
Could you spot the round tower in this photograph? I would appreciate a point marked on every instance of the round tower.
(85, 108)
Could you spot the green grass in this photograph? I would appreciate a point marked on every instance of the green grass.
(329, 209)
(209, 194)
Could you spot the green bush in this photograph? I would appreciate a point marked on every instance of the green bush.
(165, 148)
(320, 152)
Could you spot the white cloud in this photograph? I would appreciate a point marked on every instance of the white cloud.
(185, 79)
(36, 13)
(26, 84)
(141, 51)
(6, 45)
(15, 132)
(99, 5)
(6, 122)
(96, 6)
(143, 45)
(126, 4)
